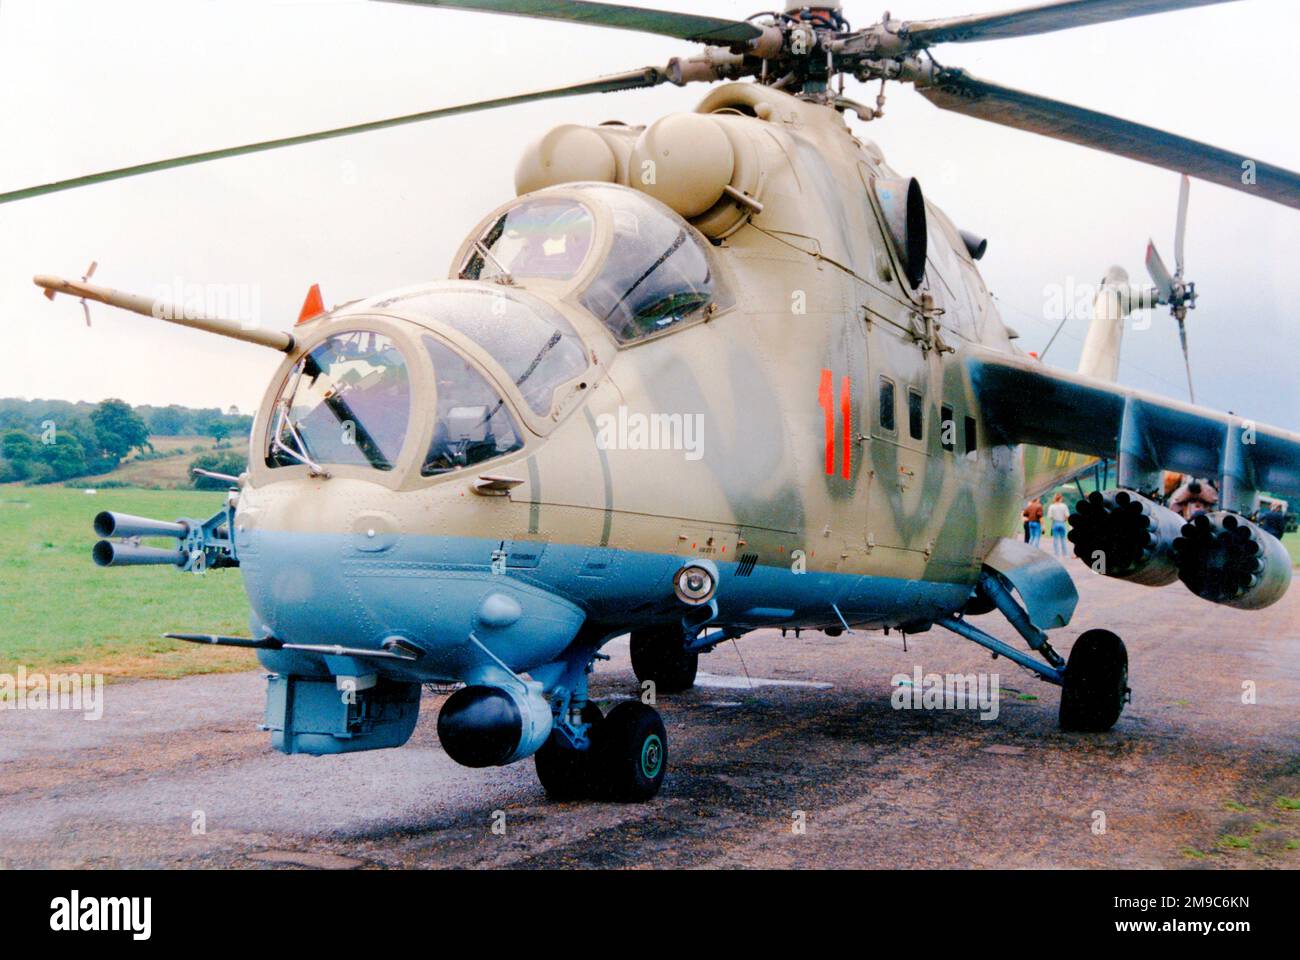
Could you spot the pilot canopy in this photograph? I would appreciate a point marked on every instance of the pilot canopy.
(353, 400)
(630, 261)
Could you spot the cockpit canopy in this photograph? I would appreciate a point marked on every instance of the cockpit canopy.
(535, 239)
(490, 359)
(346, 403)
(653, 273)
(534, 344)
(350, 400)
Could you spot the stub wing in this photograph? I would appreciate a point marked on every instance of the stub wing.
(1025, 402)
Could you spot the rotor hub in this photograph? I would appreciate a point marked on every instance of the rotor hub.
(833, 6)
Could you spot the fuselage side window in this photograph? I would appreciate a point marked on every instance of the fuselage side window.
(915, 414)
(888, 422)
(972, 443)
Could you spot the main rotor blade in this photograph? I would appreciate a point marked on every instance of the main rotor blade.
(1180, 230)
(683, 26)
(958, 91)
(632, 80)
(1042, 18)
(1159, 273)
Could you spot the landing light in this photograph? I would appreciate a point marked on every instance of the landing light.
(695, 584)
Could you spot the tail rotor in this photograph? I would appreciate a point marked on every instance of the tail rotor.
(1175, 291)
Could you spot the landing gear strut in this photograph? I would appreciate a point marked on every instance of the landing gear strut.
(1094, 682)
(625, 761)
(659, 655)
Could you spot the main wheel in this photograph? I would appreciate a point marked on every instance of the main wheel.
(657, 656)
(1096, 682)
(630, 753)
(565, 773)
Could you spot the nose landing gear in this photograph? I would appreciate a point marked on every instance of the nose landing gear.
(565, 772)
(625, 762)
(630, 748)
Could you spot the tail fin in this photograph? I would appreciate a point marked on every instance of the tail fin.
(1101, 348)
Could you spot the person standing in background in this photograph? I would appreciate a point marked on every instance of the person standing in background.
(1192, 498)
(1058, 513)
(1274, 521)
(1034, 517)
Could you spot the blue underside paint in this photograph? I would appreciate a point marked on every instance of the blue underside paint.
(433, 591)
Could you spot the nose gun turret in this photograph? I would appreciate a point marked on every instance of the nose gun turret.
(200, 545)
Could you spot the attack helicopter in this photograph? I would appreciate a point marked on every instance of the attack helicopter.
(723, 371)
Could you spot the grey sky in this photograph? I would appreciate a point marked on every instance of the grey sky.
(86, 86)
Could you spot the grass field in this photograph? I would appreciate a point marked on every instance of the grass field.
(60, 611)
(1292, 543)
(166, 473)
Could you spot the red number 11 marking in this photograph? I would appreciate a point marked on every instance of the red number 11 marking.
(826, 397)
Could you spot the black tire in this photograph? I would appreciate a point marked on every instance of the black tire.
(631, 753)
(565, 773)
(1096, 683)
(657, 656)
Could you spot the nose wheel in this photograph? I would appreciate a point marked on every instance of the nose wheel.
(565, 773)
(630, 748)
(626, 762)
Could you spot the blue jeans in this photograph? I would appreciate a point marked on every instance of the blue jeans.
(1058, 540)
(1035, 532)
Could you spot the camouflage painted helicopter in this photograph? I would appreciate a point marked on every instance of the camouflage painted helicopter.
(722, 372)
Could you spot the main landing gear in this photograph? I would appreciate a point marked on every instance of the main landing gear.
(1094, 683)
(625, 760)
(659, 656)
(1095, 687)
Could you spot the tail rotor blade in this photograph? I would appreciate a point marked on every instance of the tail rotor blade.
(1187, 363)
(1180, 232)
(1159, 273)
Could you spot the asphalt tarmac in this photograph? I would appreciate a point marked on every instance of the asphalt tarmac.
(816, 769)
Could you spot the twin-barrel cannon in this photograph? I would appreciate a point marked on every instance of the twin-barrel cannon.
(200, 545)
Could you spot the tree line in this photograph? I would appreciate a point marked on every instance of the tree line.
(43, 441)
